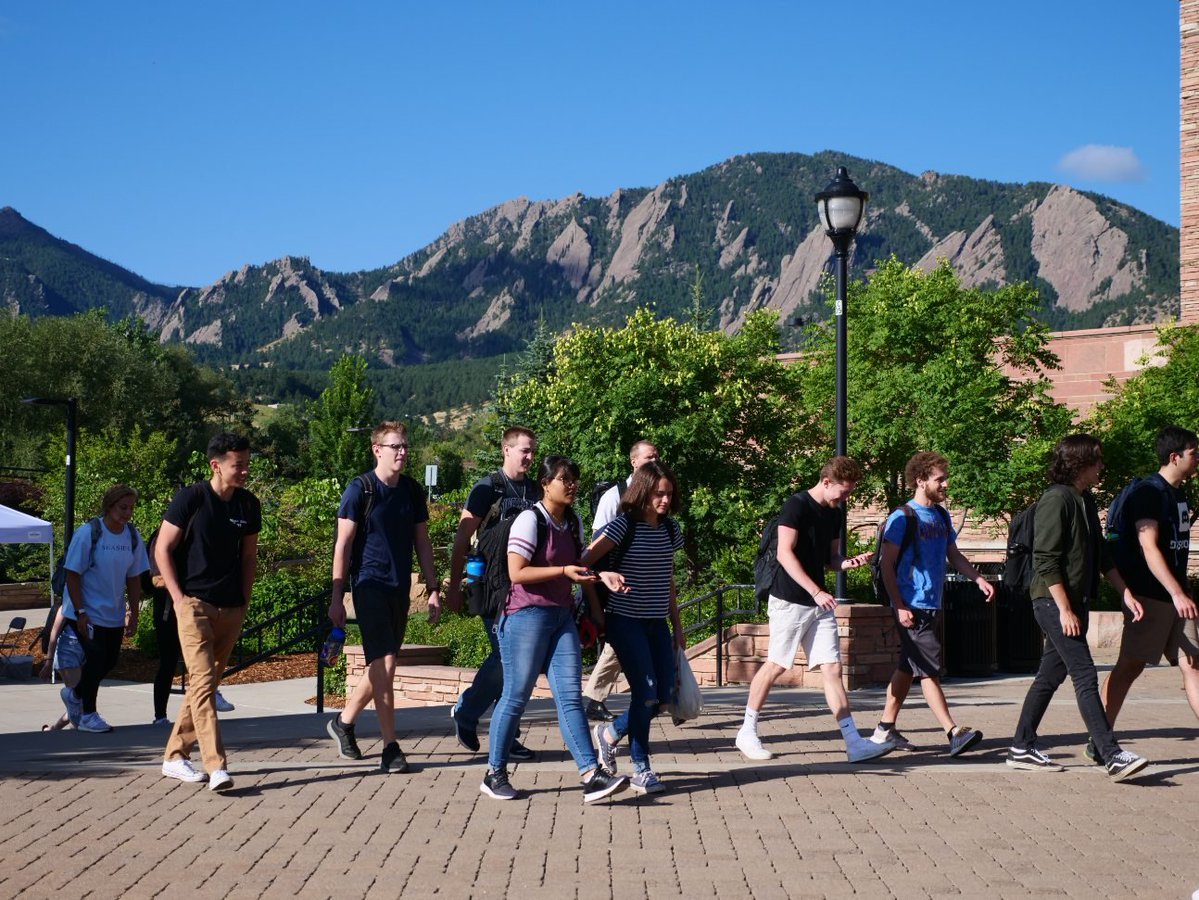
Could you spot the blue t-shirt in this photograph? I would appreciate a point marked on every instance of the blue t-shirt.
(920, 572)
(381, 554)
(104, 577)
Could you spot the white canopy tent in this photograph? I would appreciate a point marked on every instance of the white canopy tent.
(17, 527)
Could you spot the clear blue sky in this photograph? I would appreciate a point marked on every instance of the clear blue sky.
(183, 140)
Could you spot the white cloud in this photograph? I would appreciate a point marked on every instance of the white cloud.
(1098, 162)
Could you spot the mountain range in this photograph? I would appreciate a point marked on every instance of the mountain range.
(745, 229)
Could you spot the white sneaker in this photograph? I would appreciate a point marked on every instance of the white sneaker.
(94, 723)
(219, 781)
(751, 747)
(182, 770)
(863, 750)
(223, 705)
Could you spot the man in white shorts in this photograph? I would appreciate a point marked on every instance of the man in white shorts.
(802, 612)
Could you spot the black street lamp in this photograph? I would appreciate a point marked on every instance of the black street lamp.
(68, 527)
(841, 205)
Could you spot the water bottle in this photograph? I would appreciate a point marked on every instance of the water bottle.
(475, 567)
(332, 649)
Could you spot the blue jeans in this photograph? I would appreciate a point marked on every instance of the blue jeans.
(1065, 656)
(534, 640)
(646, 653)
(487, 686)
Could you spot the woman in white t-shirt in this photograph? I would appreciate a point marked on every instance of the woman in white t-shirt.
(104, 566)
(537, 632)
(640, 545)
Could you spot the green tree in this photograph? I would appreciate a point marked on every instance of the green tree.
(336, 451)
(123, 378)
(1158, 395)
(928, 369)
(143, 460)
(717, 406)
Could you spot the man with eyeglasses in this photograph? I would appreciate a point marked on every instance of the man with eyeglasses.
(382, 519)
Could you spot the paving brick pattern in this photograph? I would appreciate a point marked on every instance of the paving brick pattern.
(91, 816)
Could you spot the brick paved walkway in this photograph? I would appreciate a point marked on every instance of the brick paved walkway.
(90, 815)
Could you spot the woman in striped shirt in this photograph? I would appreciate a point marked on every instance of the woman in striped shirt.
(642, 542)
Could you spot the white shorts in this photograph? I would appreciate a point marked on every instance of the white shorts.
(792, 625)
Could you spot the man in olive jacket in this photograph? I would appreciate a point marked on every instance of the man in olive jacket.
(1069, 552)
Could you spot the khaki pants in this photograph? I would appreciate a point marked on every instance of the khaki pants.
(207, 635)
(604, 676)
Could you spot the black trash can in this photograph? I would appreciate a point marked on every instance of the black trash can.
(970, 632)
(1020, 637)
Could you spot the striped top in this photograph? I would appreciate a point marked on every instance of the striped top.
(647, 567)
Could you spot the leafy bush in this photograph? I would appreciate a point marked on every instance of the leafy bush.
(464, 635)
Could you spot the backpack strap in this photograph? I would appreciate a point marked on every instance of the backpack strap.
(96, 525)
(363, 522)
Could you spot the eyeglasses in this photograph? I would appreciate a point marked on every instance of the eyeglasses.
(396, 448)
(569, 482)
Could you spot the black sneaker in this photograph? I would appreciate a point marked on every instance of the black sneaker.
(1125, 765)
(347, 746)
(393, 759)
(597, 711)
(467, 737)
(1031, 760)
(520, 752)
(603, 784)
(1091, 752)
(495, 785)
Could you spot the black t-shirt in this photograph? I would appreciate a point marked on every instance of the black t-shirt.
(208, 556)
(817, 527)
(514, 496)
(1156, 499)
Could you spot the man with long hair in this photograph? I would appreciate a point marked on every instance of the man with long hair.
(1069, 552)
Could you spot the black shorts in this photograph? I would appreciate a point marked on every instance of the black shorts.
(919, 646)
(382, 615)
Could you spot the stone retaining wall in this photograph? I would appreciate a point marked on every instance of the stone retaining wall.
(24, 595)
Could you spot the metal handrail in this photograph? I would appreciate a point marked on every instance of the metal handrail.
(721, 615)
(311, 611)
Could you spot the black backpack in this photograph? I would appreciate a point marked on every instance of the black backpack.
(766, 563)
(494, 552)
(601, 488)
(1122, 533)
(910, 534)
(1017, 565)
(489, 600)
(368, 493)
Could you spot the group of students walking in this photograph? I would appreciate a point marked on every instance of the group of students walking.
(532, 625)
(205, 555)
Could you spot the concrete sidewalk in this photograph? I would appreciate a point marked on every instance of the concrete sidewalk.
(90, 814)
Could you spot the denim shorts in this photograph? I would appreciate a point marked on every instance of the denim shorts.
(68, 652)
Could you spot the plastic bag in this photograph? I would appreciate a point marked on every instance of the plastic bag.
(688, 701)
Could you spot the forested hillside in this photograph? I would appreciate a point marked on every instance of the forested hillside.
(744, 231)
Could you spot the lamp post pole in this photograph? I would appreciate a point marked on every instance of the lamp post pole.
(841, 205)
(72, 405)
(68, 528)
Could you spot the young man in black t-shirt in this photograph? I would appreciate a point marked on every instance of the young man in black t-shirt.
(1154, 566)
(801, 611)
(207, 553)
(515, 492)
